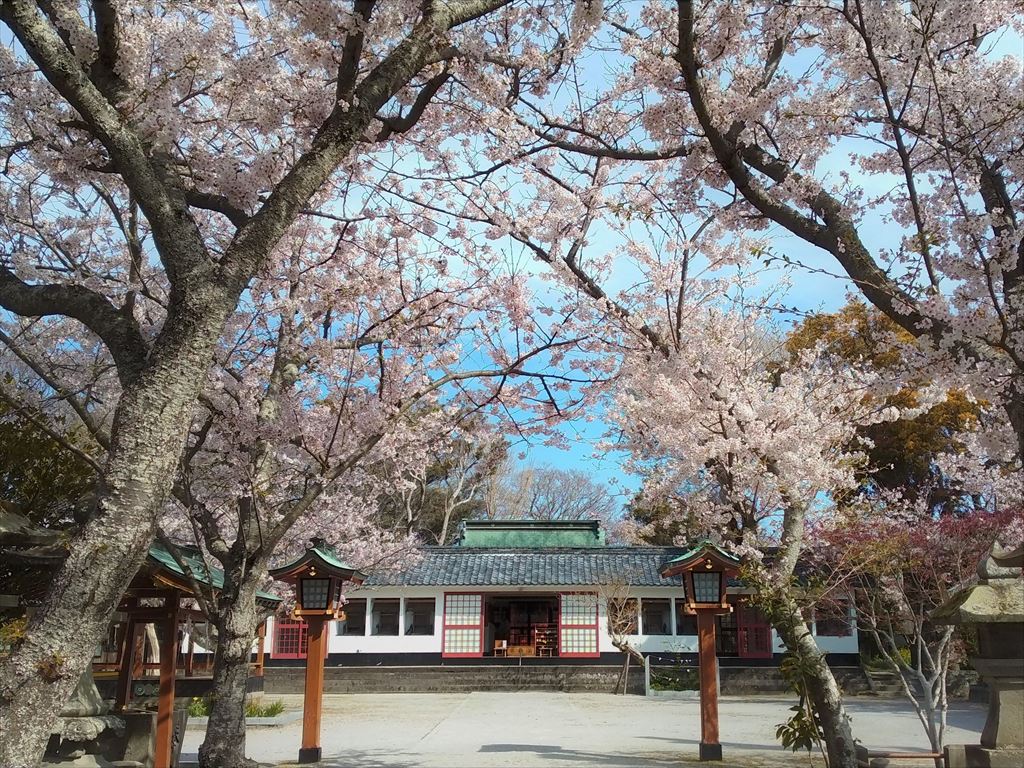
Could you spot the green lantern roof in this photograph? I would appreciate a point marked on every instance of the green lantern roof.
(322, 556)
(704, 549)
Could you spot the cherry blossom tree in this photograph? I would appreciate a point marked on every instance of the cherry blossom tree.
(878, 135)
(704, 395)
(323, 400)
(858, 131)
(156, 157)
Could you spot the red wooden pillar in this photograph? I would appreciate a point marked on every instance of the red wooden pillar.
(261, 638)
(139, 653)
(710, 747)
(164, 749)
(314, 693)
(125, 664)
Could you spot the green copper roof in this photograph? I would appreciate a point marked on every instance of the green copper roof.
(322, 554)
(699, 549)
(531, 534)
(194, 561)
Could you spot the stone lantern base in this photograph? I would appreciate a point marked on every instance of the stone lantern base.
(977, 756)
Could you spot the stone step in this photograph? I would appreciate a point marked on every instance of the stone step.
(281, 680)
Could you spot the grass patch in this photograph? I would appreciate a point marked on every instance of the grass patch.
(199, 706)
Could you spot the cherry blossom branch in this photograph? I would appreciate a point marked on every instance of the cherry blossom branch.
(95, 429)
(178, 239)
(118, 331)
(342, 130)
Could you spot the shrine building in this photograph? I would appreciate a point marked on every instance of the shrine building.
(537, 591)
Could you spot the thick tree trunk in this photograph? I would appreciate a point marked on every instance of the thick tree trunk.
(149, 430)
(238, 616)
(824, 692)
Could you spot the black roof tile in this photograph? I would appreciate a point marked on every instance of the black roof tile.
(493, 567)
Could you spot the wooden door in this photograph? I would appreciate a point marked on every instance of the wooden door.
(754, 633)
(578, 625)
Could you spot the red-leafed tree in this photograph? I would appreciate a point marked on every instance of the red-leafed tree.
(898, 563)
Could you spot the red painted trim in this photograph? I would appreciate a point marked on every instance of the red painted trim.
(596, 626)
(290, 624)
(445, 626)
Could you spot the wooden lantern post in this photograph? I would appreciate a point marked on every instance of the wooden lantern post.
(706, 570)
(317, 577)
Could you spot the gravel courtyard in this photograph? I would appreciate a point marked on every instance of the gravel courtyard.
(552, 730)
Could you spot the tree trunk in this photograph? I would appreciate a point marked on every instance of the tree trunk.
(149, 431)
(237, 619)
(824, 692)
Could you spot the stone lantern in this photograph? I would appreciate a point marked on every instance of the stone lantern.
(995, 607)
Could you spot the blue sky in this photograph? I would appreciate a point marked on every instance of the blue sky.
(818, 288)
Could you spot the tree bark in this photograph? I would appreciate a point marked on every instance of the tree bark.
(237, 619)
(149, 431)
(824, 692)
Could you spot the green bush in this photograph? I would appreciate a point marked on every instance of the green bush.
(256, 708)
(675, 679)
(200, 707)
(880, 663)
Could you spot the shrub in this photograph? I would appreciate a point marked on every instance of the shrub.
(675, 679)
(200, 707)
(256, 708)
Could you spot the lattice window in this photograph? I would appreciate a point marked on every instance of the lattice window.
(579, 610)
(463, 625)
(290, 639)
(462, 641)
(577, 634)
(579, 641)
(462, 609)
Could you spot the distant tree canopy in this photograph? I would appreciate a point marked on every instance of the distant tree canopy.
(445, 492)
(40, 477)
(659, 522)
(549, 493)
(901, 453)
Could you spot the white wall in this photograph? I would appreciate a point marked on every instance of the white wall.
(646, 643)
(400, 643)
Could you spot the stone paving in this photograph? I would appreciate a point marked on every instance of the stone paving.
(556, 730)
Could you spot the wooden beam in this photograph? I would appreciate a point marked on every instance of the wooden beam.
(710, 747)
(190, 657)
(314, 694)
(163, 753)
(125, 664)
(261, 637)
(139, 659)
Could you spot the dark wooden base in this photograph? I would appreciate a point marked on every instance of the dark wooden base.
(309, 755)
(710, 751)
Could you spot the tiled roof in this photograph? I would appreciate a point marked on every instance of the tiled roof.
(161, 558)
(494, 567)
